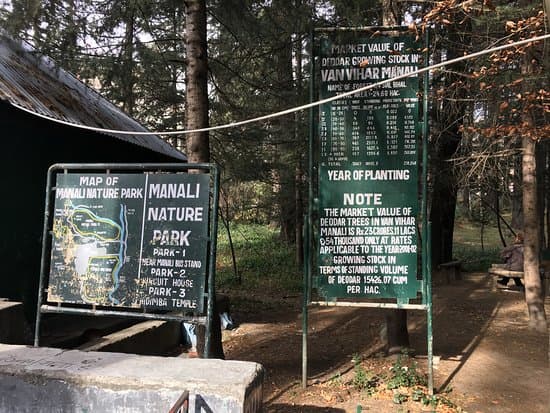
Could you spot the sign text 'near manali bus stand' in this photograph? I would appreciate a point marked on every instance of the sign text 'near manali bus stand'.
(368, 167)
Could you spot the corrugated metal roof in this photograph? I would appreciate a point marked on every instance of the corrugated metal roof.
(34, 82)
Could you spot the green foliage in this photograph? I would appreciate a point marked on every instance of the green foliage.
(436, 399)
(475, 260)
(132, 51)
(265, 263)
(403, 373)
(336, 380)
(364, 380)
(399, 398)
(408, 384)
(467, 245)
(244, 202)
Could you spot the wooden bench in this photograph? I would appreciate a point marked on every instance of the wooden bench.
(450, 270)
(499, 270)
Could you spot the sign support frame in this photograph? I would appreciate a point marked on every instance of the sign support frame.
(129, 312)
(309, 236)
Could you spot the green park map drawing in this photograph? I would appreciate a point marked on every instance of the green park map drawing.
(95, 248)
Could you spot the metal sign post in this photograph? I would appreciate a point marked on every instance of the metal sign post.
(131, 240)
(364, 212)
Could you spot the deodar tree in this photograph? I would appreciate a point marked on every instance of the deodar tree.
(196, 81)
(523, 113)
(508, 108)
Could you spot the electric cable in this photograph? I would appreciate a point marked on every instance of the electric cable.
(294, 109)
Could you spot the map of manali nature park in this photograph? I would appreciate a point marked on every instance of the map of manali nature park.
(95, 251)
(130, 240)
(97, 247)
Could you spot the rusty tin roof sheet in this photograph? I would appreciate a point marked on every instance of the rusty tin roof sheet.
(34, 82)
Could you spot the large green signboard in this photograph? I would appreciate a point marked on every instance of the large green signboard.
(130, 240)
(368, 168)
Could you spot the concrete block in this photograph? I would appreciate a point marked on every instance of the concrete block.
(54, 380)
(14, 328)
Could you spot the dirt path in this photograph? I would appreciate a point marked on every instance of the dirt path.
(486, 358)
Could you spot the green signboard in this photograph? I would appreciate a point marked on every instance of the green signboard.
(130, 240)
(368, 167)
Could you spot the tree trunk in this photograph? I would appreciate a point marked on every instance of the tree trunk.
(466, 200)
(534, 296)
(541, 199)
(391, 12)
(198, 147)
(533, 287)
(547, 195)
(287, 149)
(517, 208)
(127, 57)
(442, 212)
(196, 73)
(299, 247)
(499, 217)
(448, 118)
(397, 334)
(299, 173)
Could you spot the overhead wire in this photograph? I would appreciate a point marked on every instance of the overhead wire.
(293, 109)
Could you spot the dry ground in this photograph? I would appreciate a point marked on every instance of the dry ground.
(486, 359)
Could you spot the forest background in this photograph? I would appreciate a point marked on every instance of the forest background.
(488, 117)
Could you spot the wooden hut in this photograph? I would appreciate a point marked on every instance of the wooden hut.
(32, 84)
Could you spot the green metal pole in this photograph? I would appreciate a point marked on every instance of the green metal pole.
(426, 225)
(45, 240)
(429, 315)
(425, 169)
(304, 305)
(212, 261)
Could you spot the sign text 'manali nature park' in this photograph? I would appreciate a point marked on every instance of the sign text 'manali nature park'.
(368, 155)
(130, 240)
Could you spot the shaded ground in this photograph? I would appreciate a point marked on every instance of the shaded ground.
(486, 359)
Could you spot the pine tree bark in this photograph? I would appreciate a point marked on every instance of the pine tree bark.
(127, 56)
(196, 73)
(286, 147)
(546, 193)
(397, 334)
(198, 146)
(534, 296)
(541, 199)
(533, 286)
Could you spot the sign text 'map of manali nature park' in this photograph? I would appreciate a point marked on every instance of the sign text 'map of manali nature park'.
(368, 167)
(130, 240)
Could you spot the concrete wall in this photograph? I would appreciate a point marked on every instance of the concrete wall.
(14, 328)
(53, 380)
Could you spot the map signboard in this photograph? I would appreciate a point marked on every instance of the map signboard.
(368, 167)
(135, 240)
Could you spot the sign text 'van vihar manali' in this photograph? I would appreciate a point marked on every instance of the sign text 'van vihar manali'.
(130, 240)
(368, 167)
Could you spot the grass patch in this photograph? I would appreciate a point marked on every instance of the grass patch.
(475, 260)
(267, 265)
(264, 262)
(469, 248)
